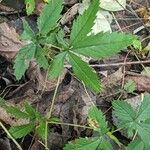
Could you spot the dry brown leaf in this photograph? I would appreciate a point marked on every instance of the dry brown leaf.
(40, 4)
(144, 13)
(70, 2)
(9, 42)
(142, 82)
(69, 15)
(9, 119)
(41, 77)
(111, 86)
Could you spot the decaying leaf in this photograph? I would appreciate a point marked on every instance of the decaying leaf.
(102, 21)
(113, 5)
(101, 24)
(41, 77)
(69, 15)
(142, 82)
(70, 2)
(9, 42)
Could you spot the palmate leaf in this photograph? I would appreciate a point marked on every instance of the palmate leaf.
(23, 57)
(103, 45)
(136, 145)
(28, 33)
(83, 144)
(124, 111)
(144, 109)
(126, 116)
(57, 65)
(82, 26)
(97, 120)
(104, 145)
(143, 130)
(22, 130)
(134, 120)
(49, 16)
(84, 72)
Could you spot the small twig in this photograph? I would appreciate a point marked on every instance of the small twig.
(124, 69)
(134, 135)
(116, 21)
(11, 12)
(90, 99)
(121, 64)
(117, 64)
(141, 64)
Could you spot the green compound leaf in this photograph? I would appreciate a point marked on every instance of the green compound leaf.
(103, 45)
(134, 120)
(84, 72)
(23, 57)
(143, 130)
(49, 16)
(97, 120)
(144, 109)
(57, 65)
(126, 116)
(41, 58)
(83, 144)
(22, 130)
(136, 145)
(105, 145)
(30, 6)
(123, 110)
(82, 26)
(27, 34)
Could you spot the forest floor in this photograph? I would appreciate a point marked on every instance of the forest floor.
(125, 75)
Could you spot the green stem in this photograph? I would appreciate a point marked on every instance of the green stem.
(53, 100)
(53, 46)
(10, 136)
(50, 113)
(69, 124)
(46, 136)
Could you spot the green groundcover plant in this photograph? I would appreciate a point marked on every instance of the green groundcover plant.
(52, 49)
(136, 122)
